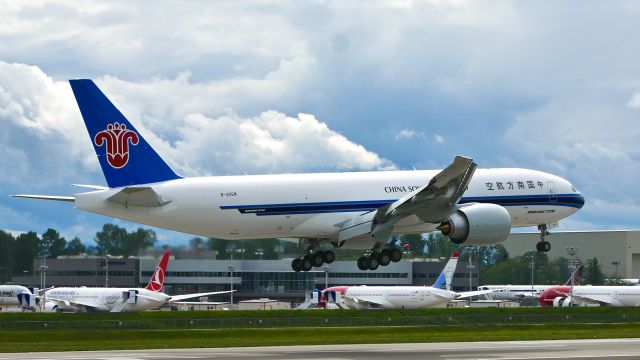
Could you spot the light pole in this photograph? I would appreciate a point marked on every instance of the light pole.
(572, 251)
(259, 252)
(24, 273)
(230, 249)
(470, 267)
(531, 267)
(326, 277)
(241, 252)
(231, 269)
(106, 267)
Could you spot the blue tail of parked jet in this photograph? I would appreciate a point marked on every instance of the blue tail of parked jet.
(447, 273)
(126, 158)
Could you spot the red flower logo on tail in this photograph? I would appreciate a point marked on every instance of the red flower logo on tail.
(117, 138)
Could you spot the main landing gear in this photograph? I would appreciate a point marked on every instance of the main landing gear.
(378, 257)
(543, 245)
(313, 257)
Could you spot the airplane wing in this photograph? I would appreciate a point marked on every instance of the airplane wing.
(362, 303)
(200, 302)
(431, 203)
(176, 298)
(469, 294)
(77, 304)
(602, 300)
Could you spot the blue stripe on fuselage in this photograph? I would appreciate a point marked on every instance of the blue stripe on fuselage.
(569, 200)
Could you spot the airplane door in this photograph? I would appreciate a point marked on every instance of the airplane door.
(415, 295)
(553, 192)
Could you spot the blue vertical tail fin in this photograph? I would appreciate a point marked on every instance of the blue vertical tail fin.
(446, 276)
(125, 156)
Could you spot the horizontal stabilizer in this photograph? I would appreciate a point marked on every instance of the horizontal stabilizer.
(142, 196)
(46, 197)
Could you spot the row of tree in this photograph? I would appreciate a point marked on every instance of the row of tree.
(495, 264)
(17, 253)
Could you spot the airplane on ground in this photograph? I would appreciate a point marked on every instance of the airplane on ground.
(84, 299)
(358, 210)
(398, 297)
(518, 292)
(615, 296)
(15, 296)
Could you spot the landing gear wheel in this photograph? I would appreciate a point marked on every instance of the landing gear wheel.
(296, 265)
(539, 246)
(373, 261)
(316, 259)
(306, 263)
(363, 263)
(328, 256)
(385, 257)
(546, 246)
(396, 255)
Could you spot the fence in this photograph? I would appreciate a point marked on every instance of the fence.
(313, 322)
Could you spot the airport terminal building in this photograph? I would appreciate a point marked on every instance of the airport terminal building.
(251, 279)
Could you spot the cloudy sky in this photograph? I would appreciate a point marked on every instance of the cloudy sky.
(268, 87)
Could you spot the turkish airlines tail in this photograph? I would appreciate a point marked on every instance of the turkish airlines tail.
(157, 279)
(125, 156)
(447, 273)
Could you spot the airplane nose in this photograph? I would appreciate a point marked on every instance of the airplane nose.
(577, 199)
(580, 201)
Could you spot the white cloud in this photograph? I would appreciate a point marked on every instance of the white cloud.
(634, 101)
(43, 112)
(438, 139)
(270, 142)
(409, 134)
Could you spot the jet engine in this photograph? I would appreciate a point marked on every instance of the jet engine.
(478, 225)
(562, 301)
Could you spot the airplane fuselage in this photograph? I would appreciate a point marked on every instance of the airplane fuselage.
(314, 205)
(9, 294)
(102, 299)
(615, 296)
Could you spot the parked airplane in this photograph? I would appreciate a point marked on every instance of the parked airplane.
(518, 292)
(615, 296)
(398, 297)
(84, 299)
(360, 210)
(15, 296)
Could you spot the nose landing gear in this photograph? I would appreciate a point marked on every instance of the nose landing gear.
(543, 245)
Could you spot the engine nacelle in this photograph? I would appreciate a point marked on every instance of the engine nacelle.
(562, 301)
(478, 225)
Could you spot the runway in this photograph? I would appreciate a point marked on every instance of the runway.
(508, 350)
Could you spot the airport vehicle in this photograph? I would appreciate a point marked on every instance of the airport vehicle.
(16, 296)
(615, 296)
(86, 299)
(359, 210)
(518, 292)
(398, 297)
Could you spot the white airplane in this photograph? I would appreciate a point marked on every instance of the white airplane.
(518, 292)
(360, 210)
(84, 299)
(615, 296)
(15, 296)
(398, 297)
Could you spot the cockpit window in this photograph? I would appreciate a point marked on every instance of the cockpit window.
(573, 188)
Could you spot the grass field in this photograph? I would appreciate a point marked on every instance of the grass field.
(104, 331)
(21, 341)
